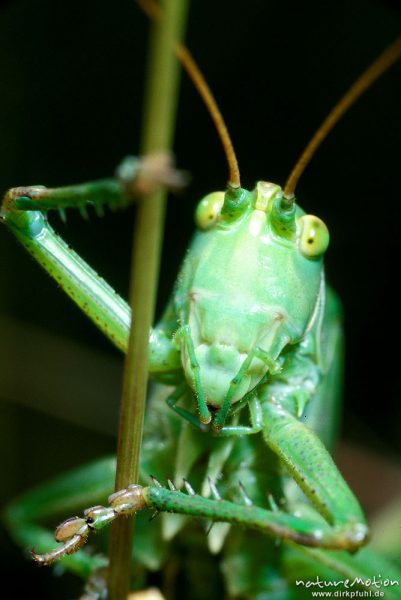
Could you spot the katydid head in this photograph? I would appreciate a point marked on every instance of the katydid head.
(252, 283)
(250, 286)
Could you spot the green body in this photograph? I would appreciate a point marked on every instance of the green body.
(251, 344)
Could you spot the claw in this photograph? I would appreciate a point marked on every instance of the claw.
(73, 534)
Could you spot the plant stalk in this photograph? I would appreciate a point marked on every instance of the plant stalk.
(159, 119)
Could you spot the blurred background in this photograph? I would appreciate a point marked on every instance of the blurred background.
(70, 108)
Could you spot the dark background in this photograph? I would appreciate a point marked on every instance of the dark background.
(71, 78)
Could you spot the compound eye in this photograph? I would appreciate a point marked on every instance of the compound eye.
(209, 209)
(314, 237)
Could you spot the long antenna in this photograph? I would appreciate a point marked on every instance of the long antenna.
(368, 77)
(153, 11)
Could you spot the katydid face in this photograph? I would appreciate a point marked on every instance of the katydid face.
(251, 281)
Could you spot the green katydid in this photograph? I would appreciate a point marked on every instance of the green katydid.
(288, 358)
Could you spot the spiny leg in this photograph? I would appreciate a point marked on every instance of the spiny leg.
(92, 193)
(20, 212)
(109, 312)
(72, 533)
(277, 524)
(303, 534)
(135, 177)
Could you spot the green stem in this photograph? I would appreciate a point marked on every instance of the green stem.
(159, 117)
